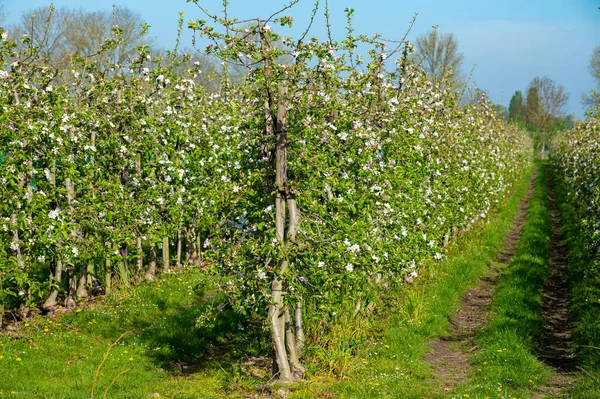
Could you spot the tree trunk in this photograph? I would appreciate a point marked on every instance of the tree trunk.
(151, 272)
(179, 247)
(294, 223)
(287, 364)
(107, 272)
(91, 276)
(198, 249)
(187, 245)
(82, 283)
(51, 302)
(123, 265)
(72, 291)
(165, 254)
(299, 328)
(283, 371)
(290, 340)
(137, 277)
(70, 301)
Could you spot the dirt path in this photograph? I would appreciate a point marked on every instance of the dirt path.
(555, 343)
(449, 356)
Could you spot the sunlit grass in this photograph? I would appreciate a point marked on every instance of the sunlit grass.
(59, 358)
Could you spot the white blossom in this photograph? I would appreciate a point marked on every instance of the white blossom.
(354, 248)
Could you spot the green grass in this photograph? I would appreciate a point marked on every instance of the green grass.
(584, 283)
(392, 366)
(59, 358)
(506, 365)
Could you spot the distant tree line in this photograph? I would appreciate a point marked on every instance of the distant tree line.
(541, 111)
(56, 36)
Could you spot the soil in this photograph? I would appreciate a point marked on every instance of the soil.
(449, 356)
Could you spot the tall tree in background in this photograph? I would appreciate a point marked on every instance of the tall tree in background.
(60, 33)
(593, 99)
(208, 76)
(501, 111)
(546, 101)
(516, 108)
(532, 110)
(439, 56)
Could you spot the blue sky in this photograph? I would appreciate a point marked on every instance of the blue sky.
(510, 41)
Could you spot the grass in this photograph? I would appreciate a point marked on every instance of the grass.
(391, 366)
(59, 358)
(584, 282)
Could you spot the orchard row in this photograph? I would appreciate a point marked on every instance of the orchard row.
(576, 160)
(311, 186)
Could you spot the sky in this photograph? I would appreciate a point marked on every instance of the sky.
(509, 41)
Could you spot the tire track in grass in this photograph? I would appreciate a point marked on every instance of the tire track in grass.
(556, 340)
(449, 356)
